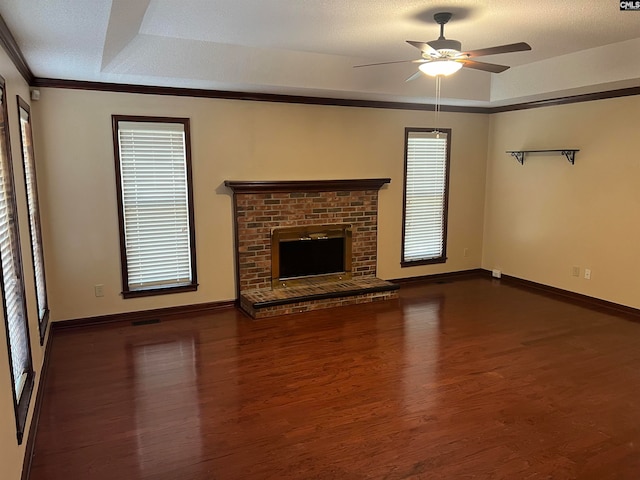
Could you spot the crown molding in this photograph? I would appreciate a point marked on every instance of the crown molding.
(250, 96)
(10, 45)
(297, 99)
(585, 97)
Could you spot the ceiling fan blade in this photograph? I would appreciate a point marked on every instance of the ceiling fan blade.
(424, 48)
(389, 63)
(414, 76)
(513, 47)
(485, 67)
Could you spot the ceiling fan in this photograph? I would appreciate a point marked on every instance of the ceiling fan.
(444, 56)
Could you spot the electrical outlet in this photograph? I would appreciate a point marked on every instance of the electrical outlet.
(587, 274)
(99, 290)
(495, 273)
(575, 271)
(466, 252)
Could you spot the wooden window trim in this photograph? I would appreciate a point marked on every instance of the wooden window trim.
(164, 289)
(442, 258)
(36, 233)
(21, 405)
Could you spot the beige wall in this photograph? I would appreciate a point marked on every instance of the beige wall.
(11, 454)
(238, 140)
(547, 216)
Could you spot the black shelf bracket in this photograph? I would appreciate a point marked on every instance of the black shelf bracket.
(519, 156)
(569, 153)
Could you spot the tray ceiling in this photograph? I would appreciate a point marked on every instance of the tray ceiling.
(309, 47)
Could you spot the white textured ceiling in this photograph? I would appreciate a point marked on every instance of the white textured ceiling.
(305, 47)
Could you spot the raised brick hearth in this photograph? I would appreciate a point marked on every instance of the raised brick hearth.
(261, 206)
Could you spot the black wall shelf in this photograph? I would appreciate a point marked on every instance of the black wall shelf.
(567, 152)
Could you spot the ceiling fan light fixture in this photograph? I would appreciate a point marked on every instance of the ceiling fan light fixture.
(442, 66)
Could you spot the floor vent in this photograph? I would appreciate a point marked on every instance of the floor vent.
(137, 323)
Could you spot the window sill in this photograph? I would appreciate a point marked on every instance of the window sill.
(149, 292)
(415, 263)
(22, 407)
(44, 322)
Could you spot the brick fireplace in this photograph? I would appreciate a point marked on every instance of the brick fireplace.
(262, 207)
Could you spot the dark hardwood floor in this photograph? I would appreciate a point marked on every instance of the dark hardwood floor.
(463, 380)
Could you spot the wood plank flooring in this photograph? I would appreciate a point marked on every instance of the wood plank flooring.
(463, 380)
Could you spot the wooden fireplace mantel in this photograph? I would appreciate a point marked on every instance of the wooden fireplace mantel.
(267, 186)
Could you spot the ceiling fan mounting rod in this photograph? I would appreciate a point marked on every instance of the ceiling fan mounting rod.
(442, 18)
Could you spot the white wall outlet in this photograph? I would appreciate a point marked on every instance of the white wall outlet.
(495, 273)
(466, 252)
(575, 271)
(99, 290)
(587, 273)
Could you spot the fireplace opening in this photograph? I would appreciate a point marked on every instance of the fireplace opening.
(313, 252)
(299, 258)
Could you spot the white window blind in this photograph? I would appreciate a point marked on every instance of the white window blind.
(153, 175)
(34, 213)
(18, 338)
(12, 284)
(425, 196)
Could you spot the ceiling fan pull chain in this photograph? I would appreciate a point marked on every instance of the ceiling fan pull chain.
(437, 107)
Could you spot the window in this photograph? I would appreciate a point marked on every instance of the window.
(11, 281)
(426, 189)
(155, 205)
(28, 159)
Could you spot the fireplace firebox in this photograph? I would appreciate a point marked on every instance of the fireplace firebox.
(310, 253)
